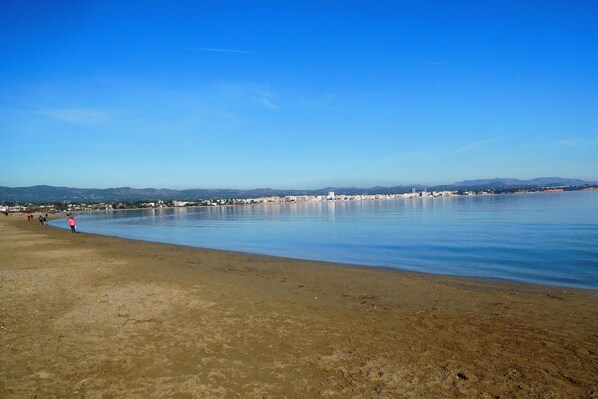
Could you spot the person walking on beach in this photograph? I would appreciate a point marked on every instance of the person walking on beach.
(73, 224)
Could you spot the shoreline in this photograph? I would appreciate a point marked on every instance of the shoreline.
(100, 316)
(576, 284)
(520, 285)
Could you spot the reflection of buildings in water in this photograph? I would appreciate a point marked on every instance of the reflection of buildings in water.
(331, 205)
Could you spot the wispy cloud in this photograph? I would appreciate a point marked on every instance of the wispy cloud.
(266, 103)
(320, 102)
(83, 116)
(222, 50)
(474, 145)
(528, 144)
(240, 95)
(576, 142)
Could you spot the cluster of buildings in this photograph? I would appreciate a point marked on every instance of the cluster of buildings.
(344, 197)
(331, 196)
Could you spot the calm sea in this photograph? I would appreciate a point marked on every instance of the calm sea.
(545, 238)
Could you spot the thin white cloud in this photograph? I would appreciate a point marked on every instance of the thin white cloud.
(321, 102)
(268, 104)
(474, 145)
(527, 144)
(576, 142)
(222, 50)
(239, 95)
(84, 116)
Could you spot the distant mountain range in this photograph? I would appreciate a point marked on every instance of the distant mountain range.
(37, 194)
(537, 182)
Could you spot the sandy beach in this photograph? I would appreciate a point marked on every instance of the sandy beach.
(89, 316)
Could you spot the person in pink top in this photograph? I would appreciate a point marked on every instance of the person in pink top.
(73, 224)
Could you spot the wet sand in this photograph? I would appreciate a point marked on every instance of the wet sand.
(88, 316)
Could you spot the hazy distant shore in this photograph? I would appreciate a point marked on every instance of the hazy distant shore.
(106, 317)
(12, 198)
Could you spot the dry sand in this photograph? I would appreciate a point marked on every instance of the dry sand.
(98, 317)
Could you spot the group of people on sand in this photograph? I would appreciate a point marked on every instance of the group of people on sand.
(41, 219)
(44, 219)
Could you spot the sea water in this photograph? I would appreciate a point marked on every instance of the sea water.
(544, 238)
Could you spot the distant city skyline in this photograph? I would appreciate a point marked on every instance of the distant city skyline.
(295, 95)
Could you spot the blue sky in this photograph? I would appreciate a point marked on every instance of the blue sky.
(295, 94)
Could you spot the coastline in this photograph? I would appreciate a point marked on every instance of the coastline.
(100, 316)
(509, 283)
(515, 249)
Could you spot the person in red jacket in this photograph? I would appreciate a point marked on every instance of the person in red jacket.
(73, 224)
